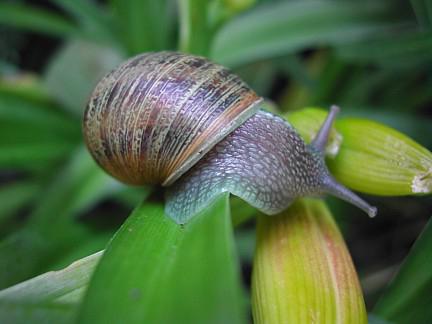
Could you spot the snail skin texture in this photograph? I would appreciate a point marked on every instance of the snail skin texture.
(193, 126)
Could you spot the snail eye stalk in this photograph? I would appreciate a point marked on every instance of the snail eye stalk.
(329, 184)
(321, 138)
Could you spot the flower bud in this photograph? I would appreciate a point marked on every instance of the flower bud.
(373, 158)
(303, 272)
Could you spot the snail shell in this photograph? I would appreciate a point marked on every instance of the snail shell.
(151, 119)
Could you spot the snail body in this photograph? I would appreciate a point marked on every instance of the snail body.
(189, 124)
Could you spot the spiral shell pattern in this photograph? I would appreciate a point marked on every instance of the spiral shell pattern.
(157, 114)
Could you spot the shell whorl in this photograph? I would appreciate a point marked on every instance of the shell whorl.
(157, 114)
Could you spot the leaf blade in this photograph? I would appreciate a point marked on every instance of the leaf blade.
(51, 229)
(92, 19)
(42, 314)
(407, 300)
(35, 19)
(143, 24)
(286, 27)
(148, 256)
(52, 285)
(194, 27)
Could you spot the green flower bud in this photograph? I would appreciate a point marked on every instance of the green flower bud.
(373, 158)
(303, 272)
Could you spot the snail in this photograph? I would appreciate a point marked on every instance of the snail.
(196, 128)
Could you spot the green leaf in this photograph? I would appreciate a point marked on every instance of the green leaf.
(423, 12)
(156, 271)
(52, 285)
(408, 297)
(51, 230)
(401, 50)
(36, 20)
(41, 314)
(195, 33)
(74, 71)
(79, 186)
(373, 319)
(15, 196)
(144, 24)
(30, 113)
(286, 27)
(7, 68)
(49, 298)
(50, 134)
(92, 19)
(200, 19)
(24, 85)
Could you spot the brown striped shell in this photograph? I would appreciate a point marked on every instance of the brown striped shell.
(157, 114)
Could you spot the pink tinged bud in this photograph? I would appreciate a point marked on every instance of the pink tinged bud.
(303, 272)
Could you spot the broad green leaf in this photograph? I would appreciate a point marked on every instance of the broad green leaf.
(144, 24)
(31, 113)
(259, 76)
(34, 135)
(408, 297)
(195, 31)
(24, 85)
(29, 251)
(405, 49)
(92, 19)
(52, 285)
(423, 12)
(79, 186)
(74, 71)
(32, 156)
(41, 314)
(95, 241)
(51, 230)
(7, 68)
(200, 19)
(15, 196)
(156, 271)
(373, 319)
(37, 20)
(286, 27)
(237, 6)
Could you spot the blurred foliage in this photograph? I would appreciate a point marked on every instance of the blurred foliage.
(373, 58)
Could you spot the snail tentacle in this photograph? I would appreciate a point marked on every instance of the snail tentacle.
(321, 139)
(329, 184)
